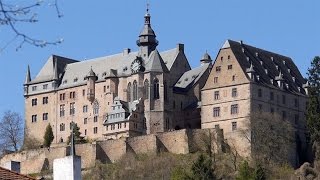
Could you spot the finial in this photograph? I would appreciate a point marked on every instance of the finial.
(148, 5)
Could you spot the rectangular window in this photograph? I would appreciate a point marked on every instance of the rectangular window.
(216, 111)
(95, 119)
(34, 102)
(45, 100)
(95, 130)
(283, 99)
(85, 132)
(85, 120)
(216, 95)
(45, 86)
(62, 96)
(217, 126)
(61, 110)
(229, 67)
(271, 96)
(218, 68)
(83, 92)
(85, 108)
(125, 125)
(215, 80)
(234, 109)
(259, 92)
(72, 95)
(104, 88)
(234, 92)
(234, 126)
(34, 88)
(72, 108)
(45, 116)
(233, 78)
(34, 118)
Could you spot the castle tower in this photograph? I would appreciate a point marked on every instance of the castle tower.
(91, 81)
(147, 39)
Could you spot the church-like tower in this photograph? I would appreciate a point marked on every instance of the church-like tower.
(147, 39)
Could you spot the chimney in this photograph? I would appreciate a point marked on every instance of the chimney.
(126, 51)
(180, 47)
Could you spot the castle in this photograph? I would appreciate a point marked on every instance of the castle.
(148, 92)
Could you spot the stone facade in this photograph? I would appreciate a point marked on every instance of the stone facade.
(67, 90)
(246, 80)
(108, 151)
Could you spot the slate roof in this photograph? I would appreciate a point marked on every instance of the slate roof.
(191, 77)
(268, 66)
(11, 175)
(114, 66)
(47, 72)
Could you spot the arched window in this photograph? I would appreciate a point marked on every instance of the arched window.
(129, 92)
(62, 127)
(95, 107)
(156, 89)
(146, 89)
(135, 90)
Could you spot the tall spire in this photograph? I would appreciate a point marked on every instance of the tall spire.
(147, 39)
(28, 76)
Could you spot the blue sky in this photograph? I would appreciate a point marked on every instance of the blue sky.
(97, 28)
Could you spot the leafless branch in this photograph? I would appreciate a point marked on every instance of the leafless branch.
(11, 15)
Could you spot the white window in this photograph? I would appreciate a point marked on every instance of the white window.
(216, 111)
(234, 109)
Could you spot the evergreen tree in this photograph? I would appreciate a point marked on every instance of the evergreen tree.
(76, 135)
(202, 169)
(48, 136)
(259, 173)
(313, 108)
(245, 171)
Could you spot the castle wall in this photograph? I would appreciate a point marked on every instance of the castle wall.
(142, 144)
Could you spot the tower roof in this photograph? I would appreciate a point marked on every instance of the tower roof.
(28, 76)
(206, 58)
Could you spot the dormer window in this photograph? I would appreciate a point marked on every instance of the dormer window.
(34, 88)
(65, 82)
(75, 79)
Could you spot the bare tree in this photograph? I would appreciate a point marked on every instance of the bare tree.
(11, 131)
(271, 137)
(14, 14)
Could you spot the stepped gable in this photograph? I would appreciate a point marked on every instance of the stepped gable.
(268, 66)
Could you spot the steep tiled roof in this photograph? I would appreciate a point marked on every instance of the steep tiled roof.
(156, 63)
(267, 66)
(11, 175)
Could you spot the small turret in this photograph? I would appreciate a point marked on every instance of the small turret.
(26, 81)
(206, 59)
(91, 80)
(147, 39)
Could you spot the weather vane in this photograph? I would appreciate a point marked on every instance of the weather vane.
(148, 6)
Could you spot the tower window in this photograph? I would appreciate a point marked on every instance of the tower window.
(129, 92)
(229, 67)
(146, 89)
(135, 90)
(95, 107)
(156, 89)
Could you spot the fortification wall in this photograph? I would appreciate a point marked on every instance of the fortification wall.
(109, 151)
